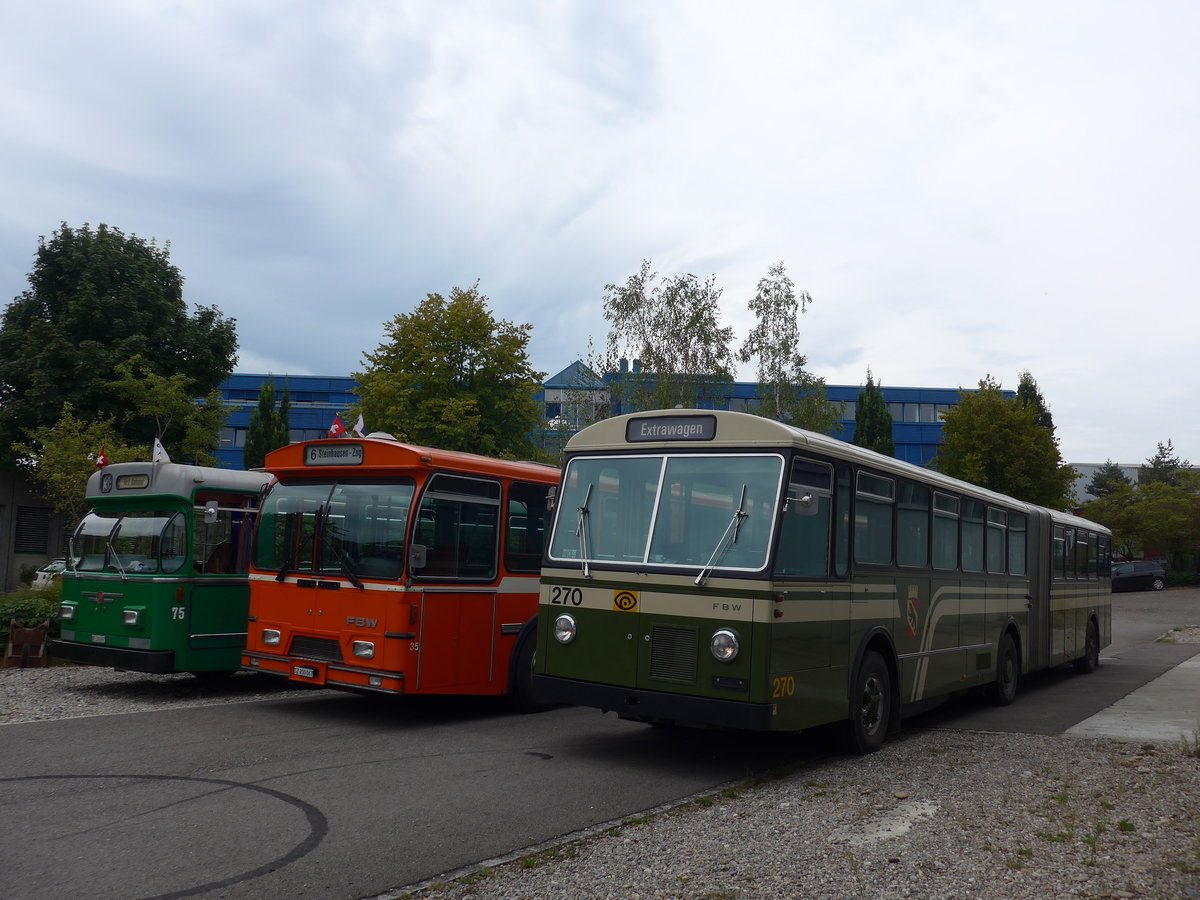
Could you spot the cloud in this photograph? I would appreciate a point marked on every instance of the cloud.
(964, 189)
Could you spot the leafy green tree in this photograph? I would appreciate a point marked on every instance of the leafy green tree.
(671, 326)
(1151, 517)
(790, 393)
(60, 457)
(268, 427)
(1164, 467)
(1107, 479)
(189, 431)
(1028, 395)
(872, 421)
(97, 298)
(997, 443)
(454, 377)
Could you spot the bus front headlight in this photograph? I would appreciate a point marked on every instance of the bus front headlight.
(66, 612)
(130, 617)
(724, 645)
(363, 649)
(564, 629)
(271, 637)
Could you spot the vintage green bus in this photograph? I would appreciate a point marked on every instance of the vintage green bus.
(725, 569)
(157, 571)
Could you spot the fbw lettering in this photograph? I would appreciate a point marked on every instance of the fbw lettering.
(727, 607)
(361, 623)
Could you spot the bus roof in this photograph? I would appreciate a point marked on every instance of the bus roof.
(375, 456)
(737, 429)
(168, 479)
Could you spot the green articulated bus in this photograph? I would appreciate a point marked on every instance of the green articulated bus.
(156, 577)
(724, 569)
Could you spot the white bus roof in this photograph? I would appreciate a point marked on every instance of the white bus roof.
(744, 430)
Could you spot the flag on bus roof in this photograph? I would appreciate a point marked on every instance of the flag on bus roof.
(359, 427)
(102, 458)
(337, 429)
(160, 453)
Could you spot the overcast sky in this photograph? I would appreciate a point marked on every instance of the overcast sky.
(965, 188)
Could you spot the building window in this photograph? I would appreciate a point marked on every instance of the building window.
(33, 530)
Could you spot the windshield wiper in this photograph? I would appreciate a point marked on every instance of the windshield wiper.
(734, 526)
(340, 552)
(112, 551)
(581, 531)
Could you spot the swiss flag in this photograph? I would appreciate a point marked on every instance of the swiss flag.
(102, 458)
(337, 429)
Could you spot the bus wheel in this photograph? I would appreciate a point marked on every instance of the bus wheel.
(524, 696)
(1008, 672)
(1090, 661)
(871, 705)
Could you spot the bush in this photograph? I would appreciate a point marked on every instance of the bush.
(1177, 578)
(30, 608)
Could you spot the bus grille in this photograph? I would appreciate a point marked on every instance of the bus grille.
(316, 648)
(673, 654)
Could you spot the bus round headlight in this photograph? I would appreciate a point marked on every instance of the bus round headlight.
(564, 629)
(724, 645)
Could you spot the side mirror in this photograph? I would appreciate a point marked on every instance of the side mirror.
(416, 557)
(210, 512)
(804, 503)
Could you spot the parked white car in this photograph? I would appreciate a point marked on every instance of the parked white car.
(46, 574)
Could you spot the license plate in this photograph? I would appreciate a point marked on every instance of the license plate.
(305, 671)
(99, 639)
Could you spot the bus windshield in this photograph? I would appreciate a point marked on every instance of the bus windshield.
(694, 511)
(353, 528)
(133, 542)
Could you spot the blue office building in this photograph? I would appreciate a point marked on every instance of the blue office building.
(569, 397)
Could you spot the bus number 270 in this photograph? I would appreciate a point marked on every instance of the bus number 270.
(783, 687)
(562, 596)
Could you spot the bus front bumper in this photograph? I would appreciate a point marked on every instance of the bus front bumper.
(152, 662)
(656, 706)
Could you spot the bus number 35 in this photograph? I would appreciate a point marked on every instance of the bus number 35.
(562, 596)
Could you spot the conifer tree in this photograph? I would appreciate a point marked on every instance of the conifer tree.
(268, 428)
(873, 422)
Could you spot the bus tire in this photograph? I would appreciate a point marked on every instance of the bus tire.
(524, 696)
(870, 705)
(1090, 661)
(1003, 690)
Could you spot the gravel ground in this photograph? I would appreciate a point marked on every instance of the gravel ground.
(933, 814)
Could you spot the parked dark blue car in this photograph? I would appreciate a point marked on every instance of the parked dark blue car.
(1140, 575)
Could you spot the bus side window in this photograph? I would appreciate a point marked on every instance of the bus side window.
(457, 524)
(945, 532)
(1016, 545)
(804, 545)
(873, 506)
(912, 526)
(525, 527)
(973, 516)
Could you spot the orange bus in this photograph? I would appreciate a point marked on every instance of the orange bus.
(384, 567)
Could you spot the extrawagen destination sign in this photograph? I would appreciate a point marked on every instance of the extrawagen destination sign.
(348, 454)
(671, 428)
